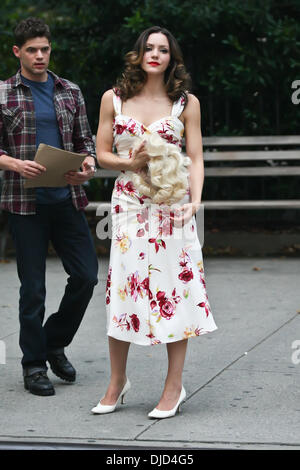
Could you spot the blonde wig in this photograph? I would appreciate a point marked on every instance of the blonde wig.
(166, 178)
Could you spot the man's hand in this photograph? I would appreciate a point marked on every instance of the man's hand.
(79, 177)
(29, 169)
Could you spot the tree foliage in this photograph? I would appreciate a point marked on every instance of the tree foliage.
(243, 56)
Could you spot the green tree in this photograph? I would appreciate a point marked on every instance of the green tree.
(243, 56)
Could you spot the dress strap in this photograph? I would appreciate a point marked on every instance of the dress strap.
(178, 106)
(117, 102)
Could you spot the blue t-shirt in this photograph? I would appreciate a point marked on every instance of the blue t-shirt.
(47, 132)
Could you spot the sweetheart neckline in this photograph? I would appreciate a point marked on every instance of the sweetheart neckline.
(154, 122)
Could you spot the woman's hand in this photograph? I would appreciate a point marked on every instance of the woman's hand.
(184, 214)
(139, 158)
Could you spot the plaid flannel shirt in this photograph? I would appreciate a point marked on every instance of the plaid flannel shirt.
(18, 136)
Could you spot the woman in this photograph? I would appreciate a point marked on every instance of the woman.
(155, 288)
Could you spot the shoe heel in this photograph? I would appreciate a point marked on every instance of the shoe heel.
(123, 399)
(127, 388)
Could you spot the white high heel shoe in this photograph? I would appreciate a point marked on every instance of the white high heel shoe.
(168, 413)
(102, 409)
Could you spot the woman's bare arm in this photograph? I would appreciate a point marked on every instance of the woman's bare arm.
(193, 139)
(104, 141)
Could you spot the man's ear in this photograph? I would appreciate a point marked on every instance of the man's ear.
(16, 51)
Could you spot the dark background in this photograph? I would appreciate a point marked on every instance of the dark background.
(243, 57)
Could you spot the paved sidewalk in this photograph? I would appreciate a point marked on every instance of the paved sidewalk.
(242, 381)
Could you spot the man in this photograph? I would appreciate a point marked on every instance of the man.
(37, 106)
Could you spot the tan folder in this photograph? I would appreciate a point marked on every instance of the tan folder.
(58, 162)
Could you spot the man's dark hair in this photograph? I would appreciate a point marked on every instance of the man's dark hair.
(31, 28)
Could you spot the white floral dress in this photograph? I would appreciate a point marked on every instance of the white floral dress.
(155, 290)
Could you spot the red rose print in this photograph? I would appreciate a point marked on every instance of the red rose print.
(134, 285)
(157, 243)
(186, 275)
(120, 128)
(198, 331)
(129, 187)
(176, 298)
(118, 209)
(167, 309)
(202, 304)
(143, 216)
(135, 322)
(119, 187)
(169, 137)
(131, 129)
(203, 281)
(141, 199)
(206, 307)
(160, 295)
(165, 224)
(145, 283)
(151, 335)
(108, 284)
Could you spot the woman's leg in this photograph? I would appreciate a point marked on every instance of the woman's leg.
(118, 351)
(176, 357)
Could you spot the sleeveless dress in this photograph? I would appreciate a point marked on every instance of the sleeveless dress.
(155, 291)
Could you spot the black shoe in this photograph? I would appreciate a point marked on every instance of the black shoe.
(61, 366)
(38, 383)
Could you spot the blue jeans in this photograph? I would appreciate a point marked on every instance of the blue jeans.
(69, 233)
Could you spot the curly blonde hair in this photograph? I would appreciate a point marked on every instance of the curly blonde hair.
(166, 179)
(177, 80)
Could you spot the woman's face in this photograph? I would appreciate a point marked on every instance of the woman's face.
(157, 54)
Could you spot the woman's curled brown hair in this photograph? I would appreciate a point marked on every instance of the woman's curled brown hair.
(177, 80)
